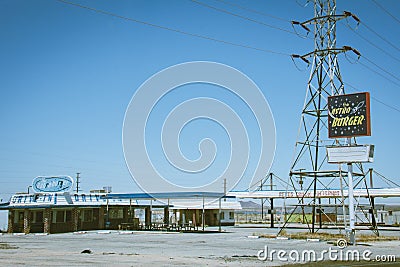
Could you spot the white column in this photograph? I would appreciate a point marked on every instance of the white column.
(351, 199)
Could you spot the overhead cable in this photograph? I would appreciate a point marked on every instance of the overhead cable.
(172, 29)
(242, 17)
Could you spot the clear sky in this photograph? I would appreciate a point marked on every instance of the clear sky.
(69, 73)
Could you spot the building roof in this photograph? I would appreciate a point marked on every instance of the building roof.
(156, 200)
(64, 200)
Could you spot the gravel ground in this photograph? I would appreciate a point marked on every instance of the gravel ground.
(233, 247)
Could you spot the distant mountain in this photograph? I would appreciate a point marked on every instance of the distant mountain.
(251, 205)
(392, 207)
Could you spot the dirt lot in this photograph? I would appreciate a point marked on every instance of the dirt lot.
(236, 246)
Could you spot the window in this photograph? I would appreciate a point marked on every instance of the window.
(18, 216)
(95, 214)
(60, 216)
(116, 213)
(222, 215)
(68, 216)
(87, 215)
(21, 216)
(231, 215)
(39, 217)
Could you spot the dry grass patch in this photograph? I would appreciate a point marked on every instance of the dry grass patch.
(7, 246)
(366, 238)
(329, 236)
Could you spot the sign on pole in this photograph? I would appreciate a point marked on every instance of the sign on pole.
(349, 115)
(350, 154)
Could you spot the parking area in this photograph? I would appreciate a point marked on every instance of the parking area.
(235, 246)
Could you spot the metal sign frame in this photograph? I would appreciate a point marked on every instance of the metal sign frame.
(350, 154)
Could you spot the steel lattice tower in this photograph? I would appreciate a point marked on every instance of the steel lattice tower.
(309, 170)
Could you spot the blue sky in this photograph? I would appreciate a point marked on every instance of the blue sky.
(69, 73)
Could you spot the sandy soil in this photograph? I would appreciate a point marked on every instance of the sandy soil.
(233, 247)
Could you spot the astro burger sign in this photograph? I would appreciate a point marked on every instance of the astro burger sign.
(349, 115)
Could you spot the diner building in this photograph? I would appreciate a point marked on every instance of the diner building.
(59, 212)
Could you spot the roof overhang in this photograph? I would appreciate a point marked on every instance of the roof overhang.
(165, 195)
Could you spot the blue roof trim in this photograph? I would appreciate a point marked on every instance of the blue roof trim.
(8, 207)
(11, 207)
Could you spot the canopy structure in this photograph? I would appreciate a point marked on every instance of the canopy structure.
(174, 195)
(166, 195)
(327, 193)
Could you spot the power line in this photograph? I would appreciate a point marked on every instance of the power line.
(242, 17)
(231, 43)
(374, 98)
(254, 11)
(373, 44)
(382, 69)
(386, 179)
(386, 11)
(380, 74)
(381, 37)
(172, 29)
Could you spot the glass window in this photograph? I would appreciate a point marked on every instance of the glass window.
(87, 215)
(116, 213)
(18, 216)
(39, 217)
(68, 216)
(54, 217)
(222, 215)
(231, 215)
(60, 216)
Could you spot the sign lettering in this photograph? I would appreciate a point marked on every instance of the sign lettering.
(349, 115)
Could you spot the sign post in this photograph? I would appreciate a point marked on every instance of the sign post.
(349, 116)
(352, 228)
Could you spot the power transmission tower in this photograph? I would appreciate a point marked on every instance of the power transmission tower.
(309, 170)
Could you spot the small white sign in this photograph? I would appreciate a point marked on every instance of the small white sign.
(350, 154)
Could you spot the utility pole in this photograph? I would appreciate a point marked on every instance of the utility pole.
(225, 189)
(301, 182)
(262, 202)
(271, 200)
(372, 210)
(77, 182)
